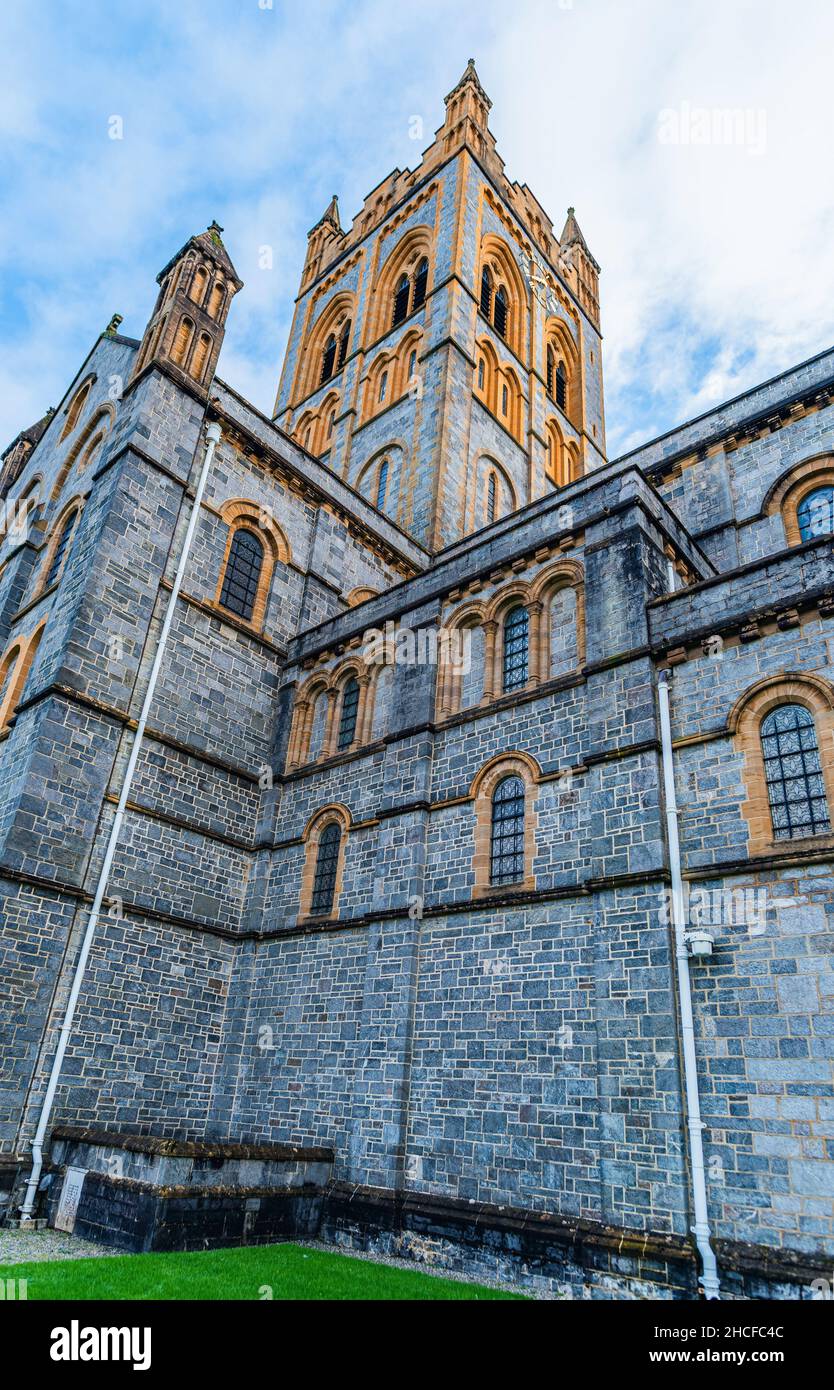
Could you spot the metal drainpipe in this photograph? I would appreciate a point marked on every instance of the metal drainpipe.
(213, 439)
(701, 1230)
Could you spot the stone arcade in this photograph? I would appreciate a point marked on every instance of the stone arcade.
(386, 950)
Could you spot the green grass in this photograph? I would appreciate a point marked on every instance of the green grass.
(289, 1271)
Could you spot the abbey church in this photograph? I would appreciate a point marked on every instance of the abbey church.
(507, 948)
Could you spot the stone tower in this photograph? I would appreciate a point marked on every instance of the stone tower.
(185, 331)
(445, 353)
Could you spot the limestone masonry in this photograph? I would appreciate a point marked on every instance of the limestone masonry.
(390, 910)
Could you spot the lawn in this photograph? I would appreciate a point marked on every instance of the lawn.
(253, 1272)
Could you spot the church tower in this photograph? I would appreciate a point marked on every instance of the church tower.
(186, 329)
(445, 352)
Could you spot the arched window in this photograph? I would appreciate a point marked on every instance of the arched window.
(505, 400)
(815, 513)
(327, 863)
(412, 365)
(420, 283)
(551, 373)
(182, 341)
(793, 773)
(198, 285)
(507, 850)
(516, 648)
(486, 293)
(481, 373)
(201, 355)
(243, 573)
(216, 298)
(344, 343)
(76, 406)
(350, 710)
(491, 491)
(561, 387)
(500, 314)
(7, 671)
(328, 359)
(331, 420)
(383, 387)
(382, 484)
(59, 554)
(401, 300)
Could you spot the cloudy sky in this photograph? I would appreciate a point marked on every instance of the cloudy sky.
(715, 234)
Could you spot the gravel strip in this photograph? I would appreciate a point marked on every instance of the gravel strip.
(415, 1267)
(19, 1247)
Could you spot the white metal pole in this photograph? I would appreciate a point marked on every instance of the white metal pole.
(213, 438)
(701, 1229)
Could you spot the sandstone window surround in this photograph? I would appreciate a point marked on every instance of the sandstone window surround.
(502, 297)
(548, 658)
(15, 666)
(325, 840)
(59, 545)
(391, 375)
(800, 498)
(320, 723)
(402, 285)
(492, 848)
(497, 387)
(76, 405)
(747, 718)
(241, 514)
(86, 446)
(314, 431)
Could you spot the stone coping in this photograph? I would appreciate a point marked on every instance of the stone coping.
(174, 1147)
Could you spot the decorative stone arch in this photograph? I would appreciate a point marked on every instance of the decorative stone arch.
(15, 666)
(334, 317)
(487, 466)
(516, 593)
(360, 595)
(508, 393)
(304, 709)
(75, 507)
(744, 723)
(560, 341)
(411, 343)
(486, 392)
(240, 514)
(497, 257)
(368, 478)
(566, 574)
(88, 441)
(448, 699)
(403, 259)
(790, 490)
(385, 365)
(337, 814)
(482, 790)
(326, 423)
(76, 405)
(354, 668)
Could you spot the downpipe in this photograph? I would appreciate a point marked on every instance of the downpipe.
(701, 1230)
(212, 440)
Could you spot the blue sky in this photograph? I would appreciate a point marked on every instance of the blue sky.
(715, 235)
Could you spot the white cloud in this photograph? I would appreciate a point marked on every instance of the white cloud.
(718, 263)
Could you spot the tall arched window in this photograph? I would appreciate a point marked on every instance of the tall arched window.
(795, 786)
(201, 356)
(327, 863)
(383, 387)
(507, 850)
(350, 710)
(486, 293)
(198, 285)
(561, 387)
(344, 343)
(216, 298)
(243, 574)
(59, 554)
(401, 300)
(182, 341)
(815, 513)
(500, 313)
(491, 491)
(328, 359)
(516, 648)
(481, 373)
(412, 366)
(382, 484)
(77, 404)
(505, 400)
(421, 280)
(551, 373)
